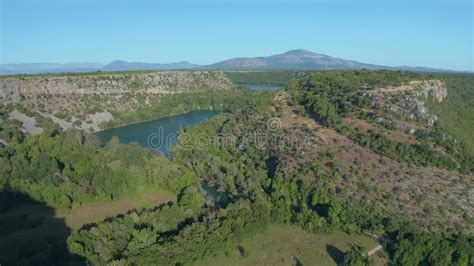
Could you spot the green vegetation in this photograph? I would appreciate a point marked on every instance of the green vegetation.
(354, 257)
(260, 194)
(136, 84)
(329, 96)
(226, 101)
(68, 169)
(216, 163)
(280, 78)
(410, 153)
(151, 237)
(455, 112)
(95, 73)
(288, 244)
(414, 247)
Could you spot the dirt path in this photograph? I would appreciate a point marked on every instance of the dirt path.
(383, 241)
(374, 250)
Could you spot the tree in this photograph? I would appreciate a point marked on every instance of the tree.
(354, 257)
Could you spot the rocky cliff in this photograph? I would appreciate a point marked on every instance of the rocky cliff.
(11, 89)
(434, 88)
(403, 107)
(86, 101)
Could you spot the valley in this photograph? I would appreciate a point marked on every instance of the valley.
(311, 171)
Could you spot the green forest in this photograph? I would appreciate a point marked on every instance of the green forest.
(219, 100)
(328, 97)
(261, 197)
(279, 78)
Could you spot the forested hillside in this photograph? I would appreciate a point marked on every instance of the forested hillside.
(280, 78)
(358, 154)
(455, 114)
(306, 197)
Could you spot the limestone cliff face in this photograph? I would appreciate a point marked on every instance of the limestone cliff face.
(404, 106)
(167, 82)
(434, 88)
(9, 93)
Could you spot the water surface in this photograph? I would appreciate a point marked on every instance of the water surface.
(158, 135)
(260, 87)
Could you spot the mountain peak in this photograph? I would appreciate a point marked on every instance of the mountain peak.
(301, 52)
(118, 62)
(293, 59)
(298, 51)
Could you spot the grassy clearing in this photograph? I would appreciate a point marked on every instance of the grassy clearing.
(290, 245)
(96, 212)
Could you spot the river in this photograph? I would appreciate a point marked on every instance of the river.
(158, 135)
(260, 87)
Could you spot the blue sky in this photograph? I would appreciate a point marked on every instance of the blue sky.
(436, 33)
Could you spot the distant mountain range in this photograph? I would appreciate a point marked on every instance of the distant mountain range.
(35, 68)
(303, 60)
(118, 65)
(291, 60)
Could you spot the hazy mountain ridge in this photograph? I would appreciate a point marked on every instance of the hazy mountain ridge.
(36, 68)
(292, 60)
(119, 65)
(116, 65)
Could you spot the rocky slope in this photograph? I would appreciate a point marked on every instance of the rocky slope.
(86, 101)
(404, 105)
(436, 199)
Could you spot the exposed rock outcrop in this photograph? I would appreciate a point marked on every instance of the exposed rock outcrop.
(29, 123)
(166, 82)
(9, 93)
(407, 101)
(86, 101)
(434, 88)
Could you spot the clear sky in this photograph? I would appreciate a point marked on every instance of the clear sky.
(433, 33)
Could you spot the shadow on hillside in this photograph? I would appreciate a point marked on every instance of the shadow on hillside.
(31, 234)
(336, 254)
